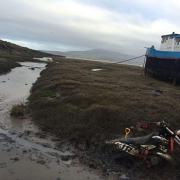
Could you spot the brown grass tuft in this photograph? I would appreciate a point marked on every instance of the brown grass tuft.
(18, 110)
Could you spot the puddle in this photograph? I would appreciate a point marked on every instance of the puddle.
(44, 59)
(96, 70)
(14, 89)
(25, 152)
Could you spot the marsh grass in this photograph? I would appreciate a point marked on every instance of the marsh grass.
(18, 110)
(6, 65)
(93, 106)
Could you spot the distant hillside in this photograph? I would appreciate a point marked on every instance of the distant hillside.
(8, 49)
(11, 54)
(99, 54)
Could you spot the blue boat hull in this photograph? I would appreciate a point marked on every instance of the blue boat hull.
(164, 65)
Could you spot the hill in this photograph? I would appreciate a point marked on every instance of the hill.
(11, 54)
(100, 55)
(8, 49)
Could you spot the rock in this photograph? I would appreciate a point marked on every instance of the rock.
(24, 151)
(67, 157)
(20, 135)
(41, 161)
(46, 145)
(12, 132)
(68, 163)
(92, 165)
(157, 92)
(29, 150)
(27, 133)
(15, 159)
(9, 149)
(124, 177)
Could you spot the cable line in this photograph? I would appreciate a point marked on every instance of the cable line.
(128, 59)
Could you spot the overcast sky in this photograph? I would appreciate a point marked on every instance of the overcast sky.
(121, 25)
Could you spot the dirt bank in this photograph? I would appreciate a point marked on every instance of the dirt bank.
(6, 65)
(89, 102)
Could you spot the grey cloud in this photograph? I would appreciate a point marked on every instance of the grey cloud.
(21, 21)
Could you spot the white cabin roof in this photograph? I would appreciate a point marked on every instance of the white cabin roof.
(173, 35)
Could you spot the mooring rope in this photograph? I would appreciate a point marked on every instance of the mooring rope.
(130, 59)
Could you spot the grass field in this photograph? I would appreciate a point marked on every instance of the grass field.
(74, 102)
(88, 107)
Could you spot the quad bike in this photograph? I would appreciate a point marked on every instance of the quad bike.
(151, 148)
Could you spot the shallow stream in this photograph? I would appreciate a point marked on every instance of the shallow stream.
(26, 153)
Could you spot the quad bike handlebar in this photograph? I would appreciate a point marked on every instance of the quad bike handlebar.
(173, 134)
(164, 130)
(158, 144)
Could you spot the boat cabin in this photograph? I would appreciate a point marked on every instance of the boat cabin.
(165, 63)
(170, 42)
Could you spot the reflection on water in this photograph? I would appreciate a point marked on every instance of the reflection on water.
(15, 88)
(15, 85)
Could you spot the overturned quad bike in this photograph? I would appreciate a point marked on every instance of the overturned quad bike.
(151, 148)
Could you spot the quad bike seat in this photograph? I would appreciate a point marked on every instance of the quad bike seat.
(137, 140)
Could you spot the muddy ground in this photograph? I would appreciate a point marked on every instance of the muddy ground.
(85, 103)
(26, 152)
